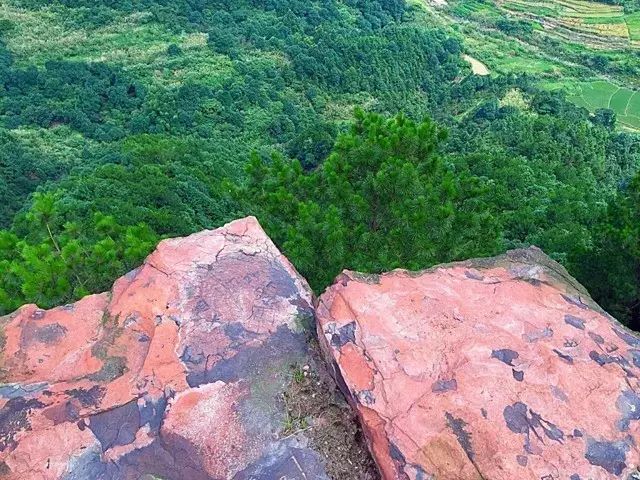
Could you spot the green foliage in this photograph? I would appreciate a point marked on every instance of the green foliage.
(195, 88)
(551, 174)
(76, 94)
(173, 186)
(132, 121)
(59, 263)
(383, 199)
(612, 270)
(22, 170)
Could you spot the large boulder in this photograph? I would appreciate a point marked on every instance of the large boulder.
(498, 369)
(177, 373)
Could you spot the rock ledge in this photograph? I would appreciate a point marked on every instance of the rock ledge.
(496, 369)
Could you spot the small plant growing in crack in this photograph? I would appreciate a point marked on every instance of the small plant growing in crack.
(295, 419)
(299, 374)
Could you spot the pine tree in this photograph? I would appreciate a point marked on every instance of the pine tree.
(383, 199)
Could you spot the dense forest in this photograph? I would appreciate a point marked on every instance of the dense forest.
(350, 128)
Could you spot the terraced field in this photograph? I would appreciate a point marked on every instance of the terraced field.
(596, 22)
(603, 94)
(582, 47)
(633, 24)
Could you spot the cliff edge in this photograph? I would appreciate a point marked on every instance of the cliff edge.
(496, 368)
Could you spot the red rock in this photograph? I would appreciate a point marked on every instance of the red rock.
(177, 373)
(496, 369)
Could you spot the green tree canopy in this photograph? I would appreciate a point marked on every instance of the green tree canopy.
(57, 263)
(612, 269)
(383, 199)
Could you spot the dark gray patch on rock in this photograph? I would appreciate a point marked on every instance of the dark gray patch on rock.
(305, 316)
(49, 334)
(188, 356)
(68, 411)
(596, 338)
(558, 393)
(87, 398)
(283, 283)
(483, 411)
(419, 473)
(441, 386)
(236, 332)
(629, 338)
(396, 454)
(601, 358)
(635, 357)
(117, 426)
(344, 335)
(336, 374)
(144, 338)
(250, 362)
(201, 306)
(505, 355)
(518, 375)
(577, 433)
(611, 456)
(366, 397)
(567, 358)
(152, 413)
(575, 476)
(170, 457)
(522, 460)
(574, 321)
(112, 368)
(473, 275)
(131, 320)
(521, 419)
(575, 301)
(628, 404)
(464, 438)
(14, 417)
(14, 390)
(89, 466)
(570, 343)
(285, 461)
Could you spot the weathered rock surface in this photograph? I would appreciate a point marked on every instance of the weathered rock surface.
(177, 373)
(496, 369)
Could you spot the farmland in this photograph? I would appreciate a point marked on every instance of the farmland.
(602, 94)
(590, 50)
(598, 23)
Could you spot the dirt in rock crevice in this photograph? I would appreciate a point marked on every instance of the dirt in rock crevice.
(317, 408)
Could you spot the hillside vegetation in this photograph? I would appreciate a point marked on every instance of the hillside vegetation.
(588, 49)
(354, 130)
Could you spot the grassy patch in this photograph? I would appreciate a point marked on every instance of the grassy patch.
(135, 42)
(561, 62)
(633, 24)
(478, 9)
(507, 56)
(602, 94)
(619, 101)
